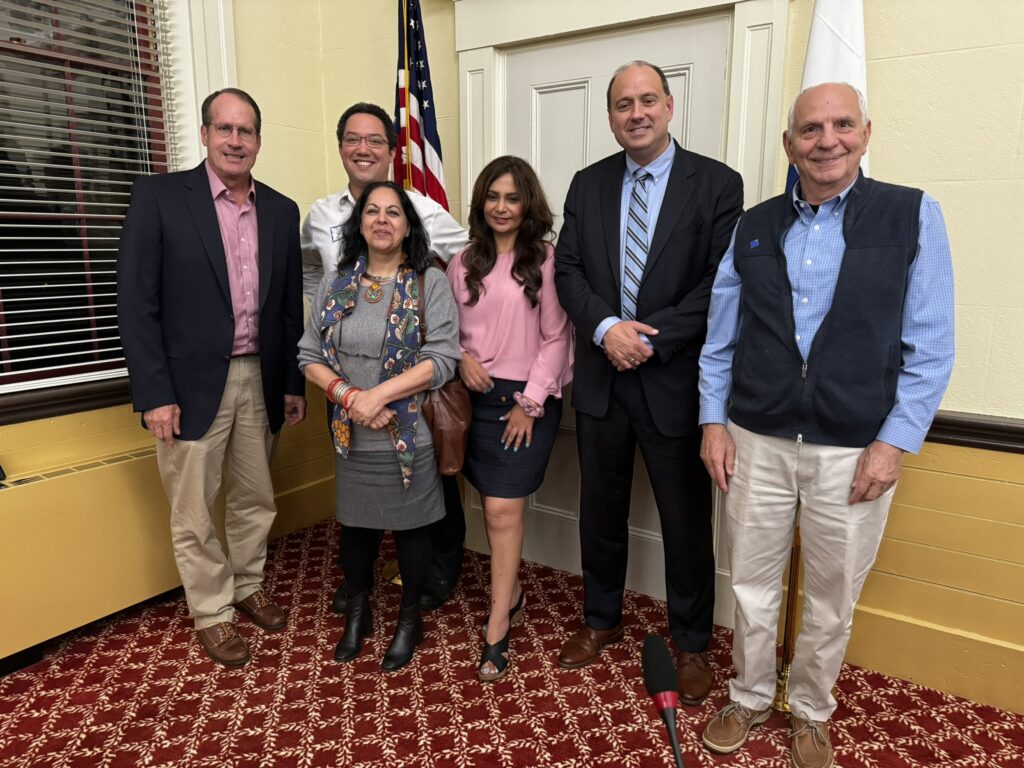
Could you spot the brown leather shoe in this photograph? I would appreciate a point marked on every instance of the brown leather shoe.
(809, 744)
(264, 612)
(585, 646)
(693, 674)
(224, 645)
(729, 728)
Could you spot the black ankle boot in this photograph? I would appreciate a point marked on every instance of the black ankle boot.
(408, 634)
(358, 624)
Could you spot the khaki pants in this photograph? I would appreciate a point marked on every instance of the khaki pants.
(236, 448)
(774, 477)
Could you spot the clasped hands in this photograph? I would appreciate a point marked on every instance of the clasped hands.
(623, 346)
(368, 409)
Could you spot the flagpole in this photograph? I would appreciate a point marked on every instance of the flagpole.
(407, 181)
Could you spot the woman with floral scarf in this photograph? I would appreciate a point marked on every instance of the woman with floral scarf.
(364, 347)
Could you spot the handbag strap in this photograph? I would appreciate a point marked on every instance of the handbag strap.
(423, 300)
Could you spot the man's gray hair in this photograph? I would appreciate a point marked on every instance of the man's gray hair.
(861, 103)
(635, 63)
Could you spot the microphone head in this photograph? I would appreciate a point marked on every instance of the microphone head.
(658, 668)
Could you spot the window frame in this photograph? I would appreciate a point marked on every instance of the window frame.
(200, 39)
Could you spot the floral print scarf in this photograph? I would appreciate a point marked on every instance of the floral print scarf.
(401, 347)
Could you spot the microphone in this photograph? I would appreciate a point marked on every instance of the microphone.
(660, 680)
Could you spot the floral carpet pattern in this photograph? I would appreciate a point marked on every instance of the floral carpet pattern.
(135, 690)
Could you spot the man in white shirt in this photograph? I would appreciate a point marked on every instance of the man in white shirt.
(366, 143)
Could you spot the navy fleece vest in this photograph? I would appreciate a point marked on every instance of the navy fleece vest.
(847, 386)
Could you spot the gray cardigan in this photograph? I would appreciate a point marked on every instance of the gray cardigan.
(360, 342)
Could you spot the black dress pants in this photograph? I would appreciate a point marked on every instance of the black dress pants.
(682, 490)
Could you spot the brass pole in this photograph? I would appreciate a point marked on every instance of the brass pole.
(781, 702)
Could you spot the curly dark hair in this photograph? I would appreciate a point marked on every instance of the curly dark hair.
(531, 241)
(416, 246)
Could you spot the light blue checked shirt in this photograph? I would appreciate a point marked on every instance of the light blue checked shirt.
(814, 248)
(659, 169)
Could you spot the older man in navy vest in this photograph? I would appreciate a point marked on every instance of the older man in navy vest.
(830, 344)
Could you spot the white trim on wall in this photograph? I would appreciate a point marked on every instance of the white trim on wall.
(486, 29)
(201, 39)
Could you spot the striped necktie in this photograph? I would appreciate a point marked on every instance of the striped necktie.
(636, 244)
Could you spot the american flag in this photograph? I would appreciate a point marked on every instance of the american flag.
(418, 163)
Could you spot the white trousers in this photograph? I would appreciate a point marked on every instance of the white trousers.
(236, 448)
(774, 479)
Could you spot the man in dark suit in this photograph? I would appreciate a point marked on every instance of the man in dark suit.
(210, 313)
(643, 233)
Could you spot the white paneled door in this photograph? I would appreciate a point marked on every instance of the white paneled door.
(556, 117)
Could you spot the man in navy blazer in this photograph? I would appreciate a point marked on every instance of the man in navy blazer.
(210, 313)
(642, 236)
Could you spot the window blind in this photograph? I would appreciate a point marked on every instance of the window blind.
(81, 117)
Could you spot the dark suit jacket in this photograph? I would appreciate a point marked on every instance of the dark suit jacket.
(703, 200)
(174, 299)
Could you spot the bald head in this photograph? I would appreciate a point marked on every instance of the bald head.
(862, 103)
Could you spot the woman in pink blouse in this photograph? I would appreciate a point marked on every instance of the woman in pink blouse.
(516, 345)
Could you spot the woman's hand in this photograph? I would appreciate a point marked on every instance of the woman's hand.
(366, 406)
(474, 375)
(382, 419)
(518, 428)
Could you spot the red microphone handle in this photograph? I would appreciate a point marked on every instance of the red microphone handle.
(666, 700)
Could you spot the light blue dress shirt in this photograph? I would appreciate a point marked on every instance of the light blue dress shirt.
(814, 248)
(659, 168)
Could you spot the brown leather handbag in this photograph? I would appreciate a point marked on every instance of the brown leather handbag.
(447, 411)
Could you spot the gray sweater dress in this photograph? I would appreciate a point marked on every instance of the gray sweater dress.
(368, 488)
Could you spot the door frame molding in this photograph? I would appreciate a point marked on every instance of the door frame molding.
(485, 31)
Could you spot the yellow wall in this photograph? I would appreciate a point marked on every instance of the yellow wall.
(945, 97)
(944, 603)
(90, 534)
(306, 61)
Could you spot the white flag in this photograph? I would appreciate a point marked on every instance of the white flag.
(835, 48)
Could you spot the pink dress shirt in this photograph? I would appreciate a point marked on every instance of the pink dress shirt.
(240, 235)
(511, 339)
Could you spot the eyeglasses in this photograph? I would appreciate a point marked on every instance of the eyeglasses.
(373, 141)
(224, 131)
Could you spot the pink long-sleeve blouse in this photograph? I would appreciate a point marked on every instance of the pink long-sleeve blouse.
(511, 339)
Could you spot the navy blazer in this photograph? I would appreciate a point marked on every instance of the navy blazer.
(702, 203)
(174, 300)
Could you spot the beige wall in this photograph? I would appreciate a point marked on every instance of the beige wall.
(305, 61)
(946, 99)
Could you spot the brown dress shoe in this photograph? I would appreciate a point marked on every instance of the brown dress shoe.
(728, 729)
(583, 647)
(264, 612)
(809, 744)
(223, 644)
(693, 674)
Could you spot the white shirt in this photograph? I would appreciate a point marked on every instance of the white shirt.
(321, 234)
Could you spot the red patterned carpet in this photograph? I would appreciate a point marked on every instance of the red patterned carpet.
(133, 690)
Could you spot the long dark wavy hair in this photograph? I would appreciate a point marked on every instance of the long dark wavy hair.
(531, 240)
(415, 247)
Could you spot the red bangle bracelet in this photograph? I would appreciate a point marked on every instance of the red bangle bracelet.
(330, 388)
(346, 399)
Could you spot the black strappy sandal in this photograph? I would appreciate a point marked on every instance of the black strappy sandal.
(497, 654)
(515, 614)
